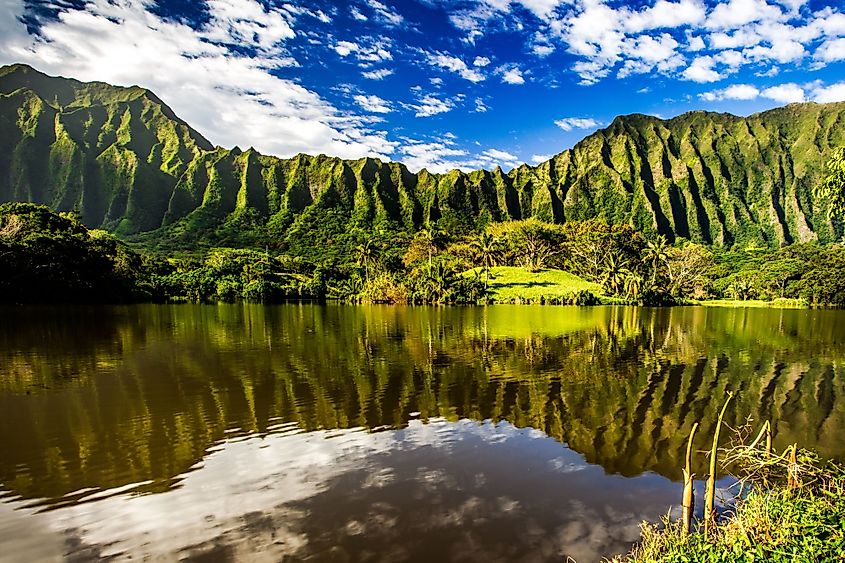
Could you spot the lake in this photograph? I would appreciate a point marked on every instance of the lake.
(368, 433)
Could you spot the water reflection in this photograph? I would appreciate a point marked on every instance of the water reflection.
(437, 491)
(357, 432)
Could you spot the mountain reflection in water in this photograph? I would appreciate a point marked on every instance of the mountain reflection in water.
(382, 433)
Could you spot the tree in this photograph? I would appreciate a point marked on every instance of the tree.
(633, 286)
(688, 268)
(655, 253)
(485, 247)
(615, 272)
(832, 188)
(740, 288)
(366, 256)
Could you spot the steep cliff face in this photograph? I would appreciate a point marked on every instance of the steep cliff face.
(121, 159)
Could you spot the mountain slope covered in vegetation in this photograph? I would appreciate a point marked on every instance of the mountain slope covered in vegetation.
(122, 160)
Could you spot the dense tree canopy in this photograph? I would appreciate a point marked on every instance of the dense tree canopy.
(52, 257)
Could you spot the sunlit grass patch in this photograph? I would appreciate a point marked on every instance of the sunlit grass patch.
(510, 284)
(780, 303)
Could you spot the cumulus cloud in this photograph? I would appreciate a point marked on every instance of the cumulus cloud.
(570, 123)
(662, 36)
(454, 64)
(379, 74)
(230, 96)
(735, 92)
(499, 157)
(357, 15)
(437, 157)
(367, 51)
(832, 93)
(372, 104)
(783, 93)
(701, 70)
(513, 76)
(539, 158)
(385, 14)
(831, 50)
(430, 105)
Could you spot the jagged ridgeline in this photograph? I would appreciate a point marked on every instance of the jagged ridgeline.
(125, 162)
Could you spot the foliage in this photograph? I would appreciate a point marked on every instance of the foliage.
(793, 511)
(832, 189)
(49, 256)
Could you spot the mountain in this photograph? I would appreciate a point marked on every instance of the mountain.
(125, 162)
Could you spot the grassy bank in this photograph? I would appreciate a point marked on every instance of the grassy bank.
(519, 285)
(756, 303)
(790, 507)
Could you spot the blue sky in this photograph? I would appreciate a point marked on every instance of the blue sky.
(436, 83)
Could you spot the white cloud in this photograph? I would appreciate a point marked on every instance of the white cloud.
(831, 50)
(570, 123)
(513, 76)
(437, 157)
(378, 74)
(736, 13)
(322, 16)
(373, 104)
(357, 15)
(832, 93)
(481, 61)
(665, 14)
(660, 36)
(785, 93)
(246, 22)
(735, 92)
(456, 65)
(695, 44)
(345, 48)
(385, 14)
(431, 105)
(701, 70)
(496, 157)
(230, 97)
(539, 158)
(367, 51)
(480, 106)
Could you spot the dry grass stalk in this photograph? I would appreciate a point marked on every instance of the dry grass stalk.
(689, 495)
(710, 489)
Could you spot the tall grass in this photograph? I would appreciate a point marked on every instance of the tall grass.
(790, 508)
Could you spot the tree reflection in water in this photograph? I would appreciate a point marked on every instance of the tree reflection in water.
(301, 429)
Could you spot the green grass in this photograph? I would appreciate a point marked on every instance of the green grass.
(792, 510)
(756, 303)
(510, 284)
(777, 525)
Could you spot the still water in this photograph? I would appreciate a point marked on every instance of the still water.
(342, 433)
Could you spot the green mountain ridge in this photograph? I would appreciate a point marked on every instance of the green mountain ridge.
(124, 161)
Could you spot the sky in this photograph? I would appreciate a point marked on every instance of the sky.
(436, 84)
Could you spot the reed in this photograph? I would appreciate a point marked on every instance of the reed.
(689, 494)
(710, 489)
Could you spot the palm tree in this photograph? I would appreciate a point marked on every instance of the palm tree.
(432, 236)
(615, 271)
(366, 256)
(485, 247)
(655, 252)
(633, 285)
